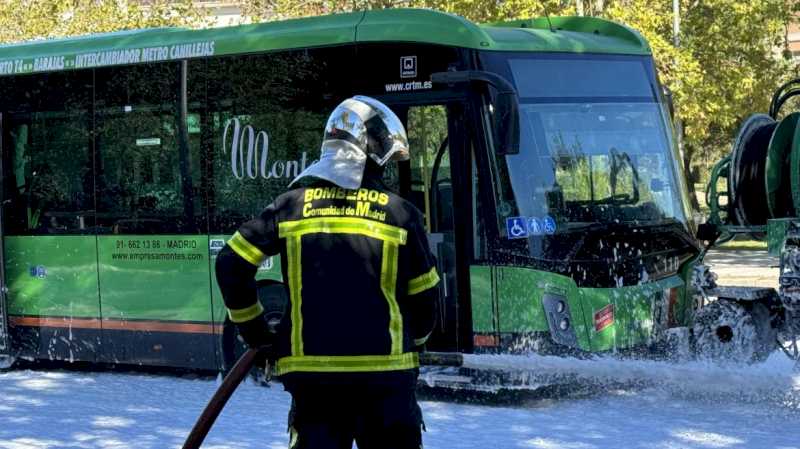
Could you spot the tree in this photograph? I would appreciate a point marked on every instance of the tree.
(733, 43)
(480, 11)
(22, 20)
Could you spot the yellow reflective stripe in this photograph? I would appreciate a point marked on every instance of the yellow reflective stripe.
(344, 225)
(295, 292)
(246, 250)
(392, 236)
(339, 364)
(423, 282)
(246, 314)
(389, 286)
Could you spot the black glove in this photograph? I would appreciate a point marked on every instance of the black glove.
(256, 332)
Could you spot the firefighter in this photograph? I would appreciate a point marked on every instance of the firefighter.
(362, 287)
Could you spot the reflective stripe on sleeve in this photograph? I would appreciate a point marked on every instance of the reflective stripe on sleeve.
(421, 283)
(246, 314)
(246, 250)
(341, 364)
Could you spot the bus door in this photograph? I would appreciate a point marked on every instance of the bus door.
(153, 240)
(432, 183)
(5, 340)
(49, 244)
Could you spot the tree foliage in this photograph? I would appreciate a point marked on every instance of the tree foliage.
(22, 20)
(728, 63)
(731, 56)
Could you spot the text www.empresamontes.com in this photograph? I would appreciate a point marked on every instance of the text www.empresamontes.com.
(156, 256)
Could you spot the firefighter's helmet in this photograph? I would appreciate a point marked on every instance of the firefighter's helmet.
(358, 128)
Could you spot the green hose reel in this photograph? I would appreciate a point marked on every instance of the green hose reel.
(782, 177)
(762, 170)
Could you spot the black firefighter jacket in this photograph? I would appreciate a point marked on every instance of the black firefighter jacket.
(360, 276)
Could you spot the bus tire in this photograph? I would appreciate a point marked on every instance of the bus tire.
(728, 332)
(274, 299)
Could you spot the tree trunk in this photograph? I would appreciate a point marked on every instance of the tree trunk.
(692, 176)
(600, 6)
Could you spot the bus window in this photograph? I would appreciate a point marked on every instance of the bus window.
(431, 185)
(262, 122)
(431, 190)
(47, 155)
(146, 171)
(480, 243)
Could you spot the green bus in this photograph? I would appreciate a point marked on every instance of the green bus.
(129, 158)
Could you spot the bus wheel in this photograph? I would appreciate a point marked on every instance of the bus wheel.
(275, 301)
(726, 331)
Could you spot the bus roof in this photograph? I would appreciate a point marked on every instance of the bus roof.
(568, 34)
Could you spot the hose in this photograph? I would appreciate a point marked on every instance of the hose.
(783, 94)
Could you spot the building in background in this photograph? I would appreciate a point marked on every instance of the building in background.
(222, 12)
(793, 38)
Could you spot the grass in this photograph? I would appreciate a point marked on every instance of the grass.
(744, 244)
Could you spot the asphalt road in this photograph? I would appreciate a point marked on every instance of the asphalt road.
(744, 268)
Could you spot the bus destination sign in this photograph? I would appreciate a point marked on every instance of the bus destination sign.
(108, 58)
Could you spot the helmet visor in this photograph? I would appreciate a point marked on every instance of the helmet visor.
(391, 142)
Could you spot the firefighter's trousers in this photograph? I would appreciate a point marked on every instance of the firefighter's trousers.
(332, 418)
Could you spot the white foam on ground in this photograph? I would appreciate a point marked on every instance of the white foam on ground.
(774, 379)
(111, 410)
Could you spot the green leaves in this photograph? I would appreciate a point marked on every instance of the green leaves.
(22, 20)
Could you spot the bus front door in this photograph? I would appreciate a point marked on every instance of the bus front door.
(429, 184)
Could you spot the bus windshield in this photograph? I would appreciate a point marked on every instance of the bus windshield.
(596, 151)
(597, 166)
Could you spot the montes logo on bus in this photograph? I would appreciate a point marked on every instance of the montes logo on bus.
(249, 150)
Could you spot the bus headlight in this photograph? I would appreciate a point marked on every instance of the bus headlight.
(559, 320)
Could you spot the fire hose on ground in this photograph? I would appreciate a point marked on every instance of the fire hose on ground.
(243, 367)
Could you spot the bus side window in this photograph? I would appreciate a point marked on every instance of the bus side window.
(480, 245)
(431, 181)
(147, 171)
(262, 119)
(47, 154)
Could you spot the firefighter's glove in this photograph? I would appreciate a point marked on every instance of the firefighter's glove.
(256, 332)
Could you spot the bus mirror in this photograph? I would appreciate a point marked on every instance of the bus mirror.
(505, 114)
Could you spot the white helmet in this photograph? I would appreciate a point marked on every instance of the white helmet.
(359, 127)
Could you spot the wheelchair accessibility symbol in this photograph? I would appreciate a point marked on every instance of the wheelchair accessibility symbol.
(516, 227)
(549, 225)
